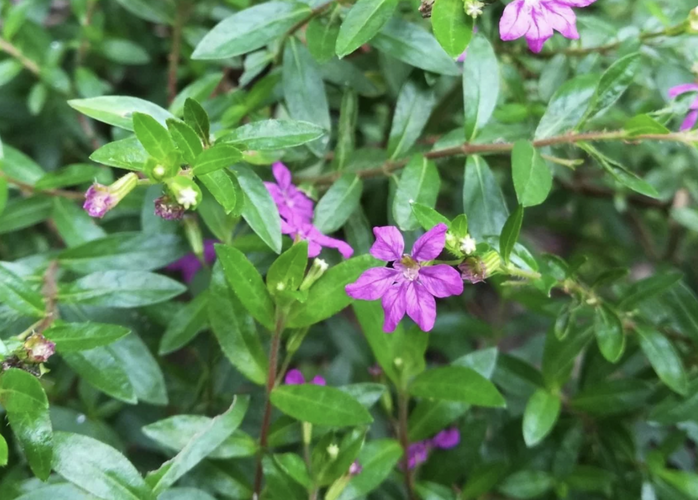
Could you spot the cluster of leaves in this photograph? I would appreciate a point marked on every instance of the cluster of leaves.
(571, 373)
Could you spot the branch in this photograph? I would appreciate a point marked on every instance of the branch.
(17, 54)
(173, 57)
(28, 188)
(50, 293)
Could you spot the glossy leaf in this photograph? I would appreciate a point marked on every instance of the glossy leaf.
(259, 209)
(483, 201)
(274, 134)
(532, 177)
(189, 321)
(457, 383)
(453, 28)
(196, 117)
(128, 154)
(614, 82)
(187, 141)
(540, 416)
(101, 369)
(118, 110)
(419, 183)
(19, 295)
(320, 405)
(338, 203)
(648, 288)
(510, 233)
(609, 333)
(363, 22)
(152, 135)
(413, 108)
(567, 106)
(664, 358)
(480, 85)
(217, 157)
(321, 36)
(70, 337)
(288, 270)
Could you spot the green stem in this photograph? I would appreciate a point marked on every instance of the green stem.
(403, 413)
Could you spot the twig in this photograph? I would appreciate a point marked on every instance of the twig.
(28, 188)
(84, 40)
(17, 54)
(266, 419)
(50, 292)
(173, 57)
(403, 403)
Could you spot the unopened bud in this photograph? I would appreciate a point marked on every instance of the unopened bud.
(317, 269)
(333, 451)
(168, 209)
(477, 269)
(99, 199)
(468, 245)
(355, 468)
(693, 21)
(397, 362)
(185, 191)
(38, 348)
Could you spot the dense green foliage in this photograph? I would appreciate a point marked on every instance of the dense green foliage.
(153, 345)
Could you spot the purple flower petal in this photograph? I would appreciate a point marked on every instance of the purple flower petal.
(446, 439)
(540, 29)
(562, 19)
(373, 283)
(682, 89)
(430, 244)
(389, 245)
(294, 377)
(420, 306)
(342, 246)
(282, 175)
(393, 303)
(515, 20)
(576, 3)
(690, 120)
(318, 380)
(441, 280)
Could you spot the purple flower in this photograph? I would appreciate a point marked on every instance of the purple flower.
(295, 377)
(99, 199)
(316, 240)
(446, 439)
(190, 264)
(38, 348)
(417, 453)
(411, 284)
(355, 468)
(536, 20)
(296, 211)
(168, 209)
(692, 116)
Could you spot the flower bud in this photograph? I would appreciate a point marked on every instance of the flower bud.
(355, 468)
(317, 269)
(333, 451)
(168, 209)
(473, 8)
(477, 269)
(38, 348)
(693, 21)
(185, 191)
(99, 199)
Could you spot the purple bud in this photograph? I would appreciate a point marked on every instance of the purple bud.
(473, 270)
(375, 370)
(417, 454)
(446, 439)
(39, 348)
(168, 209)
(318, 380)
(294, 377)
(355, 468)
(98, 200)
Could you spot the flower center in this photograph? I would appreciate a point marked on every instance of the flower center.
(409, 268)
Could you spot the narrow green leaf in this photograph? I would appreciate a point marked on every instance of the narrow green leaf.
(18, 295)
(320, 405)
(3, 452)
(98, 468)
(609, 397)
(118, 110)
(17, 165)
(101, 369)
(215, 158)
(609, 333)
(71, 337)
(73, 223)
(532, 177)
(644, 124)
(614, 82)
(259, 211)
(225, 189)
(559, 356)
(127, 153)
(483, 201)
(250, 29)
(199, 90)
(21, 213)
(419, 183)
(648, 288)
(185, 325)
(365, 19)
(480, 85)
(510, 233)
(142, 369)
(154, 137)
(274, 134)
(288, 270)
(663, 357)
(540, 416)
(187, 141)
(26, 405)
(527, 484)
(321, 36)
(457, 383)
(196, 117)
(453, 28)
(378, 458)
(338, 203)
(567, 106)
(247, 284)
(70, 175)
(431, 416)
(427, 216)
(684, 304)
(414, 105)
(235, 330)
(199, 446)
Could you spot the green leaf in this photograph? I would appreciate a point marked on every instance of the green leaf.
(304, 92)
(269, 135)
(365, 19)
(366, 393)
(127, 153)
(510, 233)
(614, 82)
(225, 189)
(321, 37)
(19, 166)
(377, 458)
(184, 326)
(409, 43)
(480, 85)
(644, 124)
(184, 493)
(124, 251)
(327, 296)
(3, 452)
(70, 175)
(73, 224)
(483, 479)
(187, 141)
(154, 137)
(118, 110)
(160, 12)
(673, 409)
(413, 108)
(567, 106)
(142, 369)
(542, 411)
(218, 222)
(320, 405)
(247, 284)
(431, 416)
(457, 383)
(250, 29)
(215, 158)
(532, 177)
(196, 117)
(175, 432)
(4, 193)
(385, 348)
(120, 289)
(452, 27)
(684, 305)
(198, 90)
(21, 213)
(483, 201)
(199, 446)
(663, 357)
(26, 405)
(611, 397)
(648, 288)
(97, 468)
(559, 356)
(685, 482)
(527, 484)
(235, 330)
(18, 295)
(609, 333)
(259, 211)
(288, 270)
(419, 183)
(338, 203)
(101, 369)
(71, 337)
